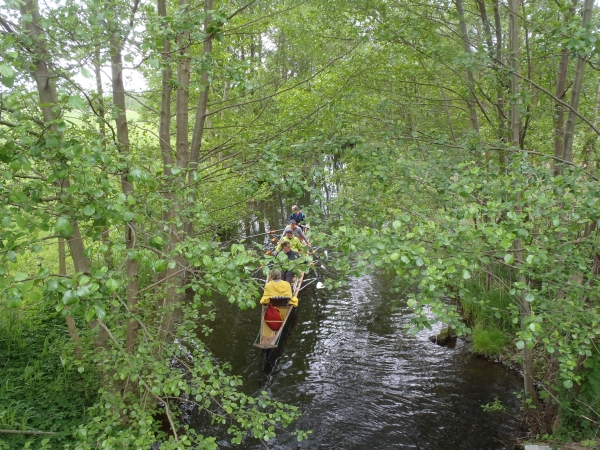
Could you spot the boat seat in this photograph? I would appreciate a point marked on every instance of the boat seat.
(280, 300)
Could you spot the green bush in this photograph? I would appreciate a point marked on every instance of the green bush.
(488, 341)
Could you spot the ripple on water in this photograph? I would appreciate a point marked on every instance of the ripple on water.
(363, 383)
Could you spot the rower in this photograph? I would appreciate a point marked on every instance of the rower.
(290, 255)
(298, 216)
(296, 231)
(293, 240)
(277, 287)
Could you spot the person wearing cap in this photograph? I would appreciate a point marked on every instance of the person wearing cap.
(293, 240)
(298, 216)
(296, 231)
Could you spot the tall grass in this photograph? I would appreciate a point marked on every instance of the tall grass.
(489, 305)
(489, 308)
(488, 341)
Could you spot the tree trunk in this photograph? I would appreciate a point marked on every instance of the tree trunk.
(164, 128)
(471, 102)
(202, 107)
(502, 86)
(515, 117)
(561, 91)
(71, 326)
(515, 125)
(127, 187)
(48, 99)
(100, 90)
(576, 90)
(182, 99)
(590, 146)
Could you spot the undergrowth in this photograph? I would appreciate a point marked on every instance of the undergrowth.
(40, 390)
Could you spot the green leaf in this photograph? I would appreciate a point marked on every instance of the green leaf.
(86, 73)
(64, 227)
(20, 276)
(14, 302)
(568, 384)
(160, 265)
(8, 82)
(69, 297)
(99, 311)
(466, 274)
(5, 222)
(6, 71)
(509, 258)
(77, 102)
(112, 285)
(394, 256)
(520, 345)
(88, 210)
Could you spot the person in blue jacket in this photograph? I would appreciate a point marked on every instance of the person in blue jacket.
(298, 216)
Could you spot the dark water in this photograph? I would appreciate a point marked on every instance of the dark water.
(362, 382)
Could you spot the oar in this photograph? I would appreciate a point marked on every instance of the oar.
(254, 235)
(299, 285)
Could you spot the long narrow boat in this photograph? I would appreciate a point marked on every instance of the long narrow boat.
(271, 342)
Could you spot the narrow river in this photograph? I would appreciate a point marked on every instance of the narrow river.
(362, 382)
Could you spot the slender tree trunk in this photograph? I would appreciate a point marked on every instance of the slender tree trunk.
(502, 85)
(471, 102)
(127, 187)
(524, 306)
(71, 326)
(525, 126)
(561, 91)
(182, 100)
(108, 261)
(515, 117)
(100, 90)
(202, 107)
(567, 155)
(164, 128)
(48, 99)
(589, 149)
(448, 114)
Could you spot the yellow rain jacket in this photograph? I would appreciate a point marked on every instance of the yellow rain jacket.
(294, 243)
(277, 289)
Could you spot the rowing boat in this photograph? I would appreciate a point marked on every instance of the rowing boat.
(271, 342)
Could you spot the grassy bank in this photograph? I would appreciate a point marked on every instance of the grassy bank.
(487, 308)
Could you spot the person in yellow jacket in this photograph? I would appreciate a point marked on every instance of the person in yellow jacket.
(293, 240)
(278, 287)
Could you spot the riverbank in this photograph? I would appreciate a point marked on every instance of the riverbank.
(491, 341)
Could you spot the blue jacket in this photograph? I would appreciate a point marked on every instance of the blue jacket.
(298, 217)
